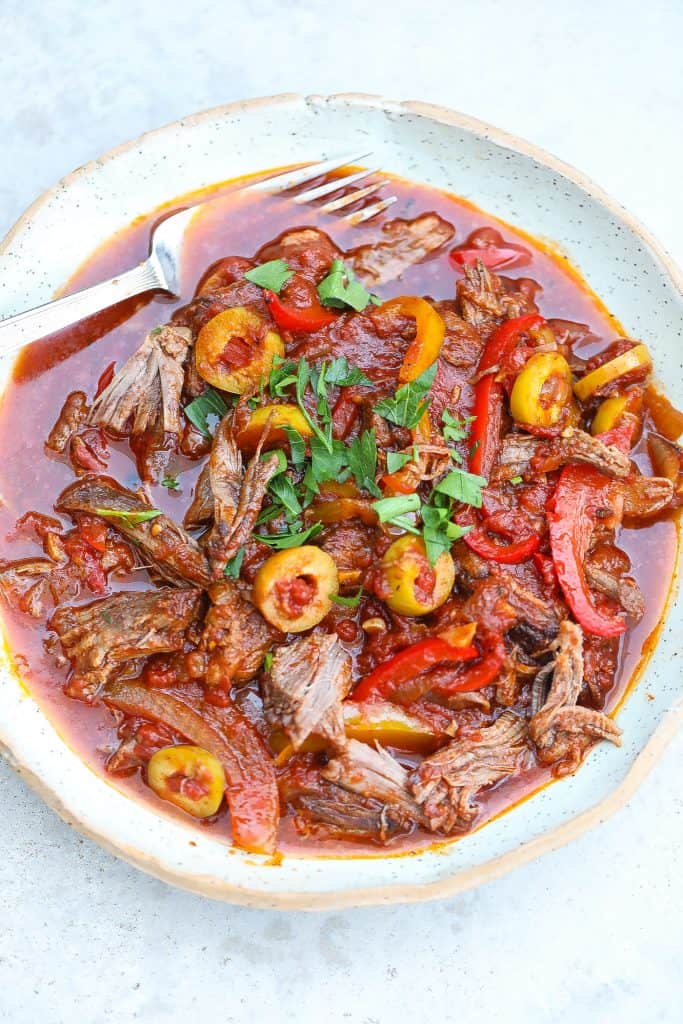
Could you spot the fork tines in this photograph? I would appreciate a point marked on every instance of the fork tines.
(302, 175)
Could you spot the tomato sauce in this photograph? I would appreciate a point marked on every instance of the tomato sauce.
(240, 223)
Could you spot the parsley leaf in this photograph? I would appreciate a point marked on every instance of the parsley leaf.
(516, 479)
(361, 455)
(397, 460)
(267, 661)
(283, 489)
(233, 565)
(340, 373)
(462, 486)
(282, 375)
(280, 541)
(438, 532)
(210, 403)
(408, 405)
(347, 602)
(341, 288)
(393, 510)
(272, 275)
(327, 459)
(171, 482)
(297, 446)
(455, 429)
(129, 518)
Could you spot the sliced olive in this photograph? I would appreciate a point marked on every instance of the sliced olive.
(235, 349)
(293, 588)
(189, 777)
(542, 391)
(408, 584)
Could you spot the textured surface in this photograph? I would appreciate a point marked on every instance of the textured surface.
(599, 921)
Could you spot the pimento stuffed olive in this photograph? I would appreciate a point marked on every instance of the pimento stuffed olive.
(407, 582)
(293, 590)
(189, 777)
(235, 349)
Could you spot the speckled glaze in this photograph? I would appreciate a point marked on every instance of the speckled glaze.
(508, 178)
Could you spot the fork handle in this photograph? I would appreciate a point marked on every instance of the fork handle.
(17, 331)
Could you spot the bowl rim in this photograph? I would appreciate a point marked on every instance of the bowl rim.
(463, 878)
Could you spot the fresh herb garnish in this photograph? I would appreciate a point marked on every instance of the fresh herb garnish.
(408, 405)
(297, 447)
(455, 429)
(129, 518)
(282, 375)
(516, 479)
(361, 455)
(462, 486)
(272, 275)
(438, 532)
(280, 541)
(267, 661)
(397, 460)
(171, 483)
(394, 510)
(347, 602)
(341, 288)
(344, 376)
(234, 565)
(285, 493)
(209, 403)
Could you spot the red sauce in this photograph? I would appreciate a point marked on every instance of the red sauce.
(238, 223)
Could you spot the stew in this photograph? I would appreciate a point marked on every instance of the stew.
(356, 544)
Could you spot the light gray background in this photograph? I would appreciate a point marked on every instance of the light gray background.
(591, 933)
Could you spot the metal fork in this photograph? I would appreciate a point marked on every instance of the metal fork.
(161, 271)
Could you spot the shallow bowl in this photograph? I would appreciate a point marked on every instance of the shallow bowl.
(503, 175)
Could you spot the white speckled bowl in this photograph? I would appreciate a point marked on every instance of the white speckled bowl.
(504, 176)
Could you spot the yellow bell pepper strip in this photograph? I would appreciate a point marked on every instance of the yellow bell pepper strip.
(488, 393)
(430, 333)
(636, 358)
(580, 496)
(542, 390)
(278, 416)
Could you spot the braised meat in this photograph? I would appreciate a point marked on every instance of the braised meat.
(235, 637)
(562, 730)
(73, 415)
(403, 243)
(101, 637)
(176, 557)
(525, 456)
(238, 495)
(373, 773)
(446, 783)
(304, 690)
(143, 399)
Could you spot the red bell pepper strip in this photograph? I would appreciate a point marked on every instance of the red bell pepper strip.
(488, 393)
(580, 494)
(492, 256)
(292, 318)
(475, 677)
(251, 789)
(545, 567)
(408, 663)
(507, 554)
(621, 436)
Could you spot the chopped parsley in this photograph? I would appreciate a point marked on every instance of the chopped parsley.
(280, 541)
(347, 602)
(409, 404)
(397, 460)
(339, 372)
(285, 494)
(234, 565)
(272, 275)
(208, 404)
(297, 447)
(130, 518)
(438, 532)
(455, 429)
(394, 510)
(462, 486)
(171, 483)
(267, 661)
(361, 455)
(516, 479)
(342, 289)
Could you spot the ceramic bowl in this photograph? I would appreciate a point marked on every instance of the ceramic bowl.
(506, 177)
